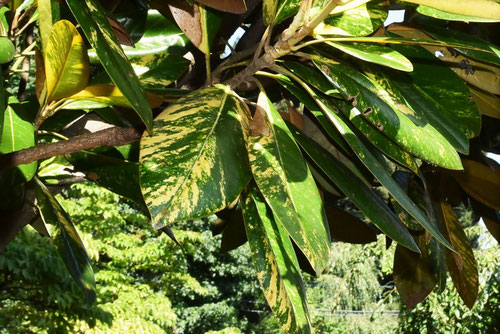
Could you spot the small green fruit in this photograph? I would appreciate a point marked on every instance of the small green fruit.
(7, 50)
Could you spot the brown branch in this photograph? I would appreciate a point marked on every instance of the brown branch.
(108, 137)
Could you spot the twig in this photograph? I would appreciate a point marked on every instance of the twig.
(108, 137)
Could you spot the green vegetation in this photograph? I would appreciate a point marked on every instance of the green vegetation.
(271, 127)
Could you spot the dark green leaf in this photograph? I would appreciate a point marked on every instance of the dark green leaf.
(67, 241)
(96, 27)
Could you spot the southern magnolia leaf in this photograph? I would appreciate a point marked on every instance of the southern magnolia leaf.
(67, 241)
(348, 228)
(398, 91)
(195, 163)
(119, 176)
(16, 134)
(198, 23)
(439, 14)
(373, 53)
(422, 141)
(442, 87)
(360, 21)
(390, 148)
(480, 182)
(96, 27)
(453, 36)
(488, 9)
(45, 19)
(67, 65)
(282, 175)
(413, 273)
(374, 165)
(276, 265)
(365, 198)
(160, 36)
(105, 95)
(462, 264)
(230, 6)
(487, 103)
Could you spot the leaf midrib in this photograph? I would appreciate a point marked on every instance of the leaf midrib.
(187, 176)
(64, 65)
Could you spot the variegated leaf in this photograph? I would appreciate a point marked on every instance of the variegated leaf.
(488, 9)
(195, 163)
(423, 141)
(360, 21)
(373, 53)
(374, 165)
(442, 15)
(286, 183)
(276, 265)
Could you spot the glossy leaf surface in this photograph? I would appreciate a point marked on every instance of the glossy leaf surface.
(359, 21)
(67, 65)
(286, 183)
(195, 163)
(373, 164)
(439, 14)
(96, 27)
(488, 9)
(421, 140)
(67, 241)
(276, 265)
(360, 194)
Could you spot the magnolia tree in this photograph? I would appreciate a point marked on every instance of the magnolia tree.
(267, 113)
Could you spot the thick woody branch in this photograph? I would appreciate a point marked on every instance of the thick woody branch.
(108, 137)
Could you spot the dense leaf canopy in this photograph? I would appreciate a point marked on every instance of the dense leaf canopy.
(266, 113)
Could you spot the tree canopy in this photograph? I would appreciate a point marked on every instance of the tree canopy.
(270, 114)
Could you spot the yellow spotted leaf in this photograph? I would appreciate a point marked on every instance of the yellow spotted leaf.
(66, 61)
(195, 163)
(488, 9)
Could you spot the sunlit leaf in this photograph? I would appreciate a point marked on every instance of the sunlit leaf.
(422, 140)
(359, 21)
(96, 27)
(276, 265)
(439, 14)
(195, 163)
(67, 65)
(282, 175)
(67, 241)
(488, 9)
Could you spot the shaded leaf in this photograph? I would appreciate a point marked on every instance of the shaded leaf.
(282, 175)
(195, 163)
(360, 194)
(96, 27)
(348, 228)
(276, 265)
(230, 6)
(462, 264)
(480, 182)
(233, 235)
(413, 273)
(487, 103)
(67, 241)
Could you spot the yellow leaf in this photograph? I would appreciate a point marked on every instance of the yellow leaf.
(66, 61)
(488, 9)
